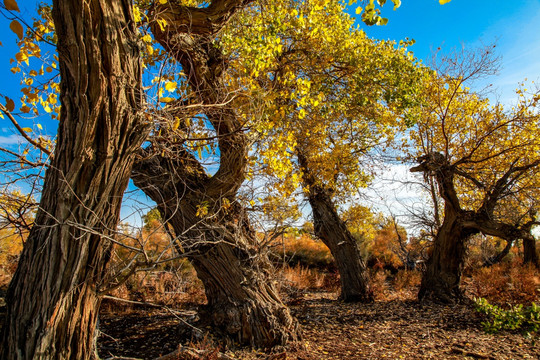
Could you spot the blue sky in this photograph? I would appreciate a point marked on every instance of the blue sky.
(515, 25)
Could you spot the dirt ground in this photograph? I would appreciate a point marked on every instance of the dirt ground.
(331, 330)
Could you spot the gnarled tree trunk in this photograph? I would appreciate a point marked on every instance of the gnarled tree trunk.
(492, 260)
(440, 282)
(53, 298)
(333, 232)
(242, 298)
(211, 227)
(442, 278)
(529, 250)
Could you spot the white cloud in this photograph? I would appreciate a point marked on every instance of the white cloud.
(10, 140)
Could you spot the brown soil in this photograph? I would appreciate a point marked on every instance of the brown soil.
(331, 330)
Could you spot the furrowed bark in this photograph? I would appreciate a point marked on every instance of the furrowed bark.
(222, 246)
(441, 280)
(333, 232)
(53, 298)
(242, 298)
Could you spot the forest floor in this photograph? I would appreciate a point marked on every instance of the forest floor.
(398, 329)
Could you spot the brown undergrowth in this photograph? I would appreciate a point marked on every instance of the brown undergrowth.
(162, 314)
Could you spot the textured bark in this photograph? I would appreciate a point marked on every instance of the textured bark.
(442, 278)
(530, 255)
(333, 232)
(440, 282)
(242, 299)
(53, 298)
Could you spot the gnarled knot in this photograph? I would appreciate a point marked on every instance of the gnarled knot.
(432, 161)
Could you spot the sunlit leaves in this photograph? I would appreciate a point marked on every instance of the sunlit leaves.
(318, 79)
(482, 140)
(166, 99)
(170, 85)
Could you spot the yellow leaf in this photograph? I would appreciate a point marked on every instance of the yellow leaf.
(166, 99)
(147, 38)
(170, 86)
(21, 57)
(136, 14)
(163, 2)
(162, 24)
(17, 28)
(442, 2)
(11, 5)
(39, 126)
(176, 123)
(27, 129)
(359, 10)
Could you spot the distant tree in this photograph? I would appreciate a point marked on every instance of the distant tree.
(485, 163)
(335, 96)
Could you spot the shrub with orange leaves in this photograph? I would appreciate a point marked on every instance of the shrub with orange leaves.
(303, 250)
(508, 283)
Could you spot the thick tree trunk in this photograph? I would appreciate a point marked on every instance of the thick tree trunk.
(529, 250)
(53, 298)
(333, 232)
(221, 245)
(442, 278)
(242, 298)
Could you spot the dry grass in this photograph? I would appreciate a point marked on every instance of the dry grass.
(508, 283)
(174, 288)
(303, 250)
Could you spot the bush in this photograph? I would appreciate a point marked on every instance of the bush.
(304, 278)
(304, 251)
(516, 317)
(506, 283)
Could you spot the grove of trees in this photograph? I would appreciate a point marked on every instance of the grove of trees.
(198, 103)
